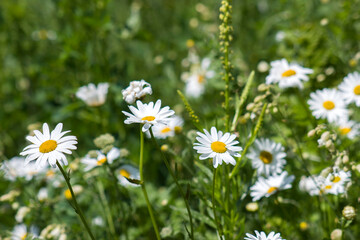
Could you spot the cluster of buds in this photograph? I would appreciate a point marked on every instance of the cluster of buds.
(105, 142)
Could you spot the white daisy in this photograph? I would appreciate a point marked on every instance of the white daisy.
(173, 127)
(49, 147)
(136, 90)
(19, 233)
(287, 74)
(14, 168)
(267, 156)
(43, 194)
(336, 181)
(128, 171)
(262, 236)
(312, 185)
(265, 187)
(350, 88)
(148, 114)
(219, 146)
(92, 95)
(349, 128)
(329, 104)
(101, 158)
(196, 80)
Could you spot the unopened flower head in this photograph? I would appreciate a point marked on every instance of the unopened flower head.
(328, 104)
(287, 74)
(265, 187)
(350, 88)
(218, 146)
(149, 114)
(267, 157)
(262, 236)
(173, 127)
(49, 147)
(136, 90)
(126, 172)
(92, 162)
(93, 96)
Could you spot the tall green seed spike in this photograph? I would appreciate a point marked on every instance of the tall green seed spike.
(193, 116)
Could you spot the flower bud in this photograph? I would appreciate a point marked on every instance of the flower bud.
(252, 207)
(349, 212)
(311, 133)
(336, 234)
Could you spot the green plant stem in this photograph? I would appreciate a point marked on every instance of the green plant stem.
(143, 185)
(218, 225)
(106, 208)
(77, 208)
(177, 183)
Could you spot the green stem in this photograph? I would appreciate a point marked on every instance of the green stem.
(143, 185)
(77, 208)
(218, 225)
(177, 183)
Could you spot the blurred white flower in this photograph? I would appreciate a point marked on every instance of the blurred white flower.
(287, 74)
(174, 126)
(280, 36)
(350, 88)
(9, 196)
(221, 147)
(21, 213)
(136, 91)
(43, 194)
(101, 158)
(267, 156)
(265, 187)
(328, 104)
(93, 96)
(335, 182)
(148, 114)
(311, 185)
(98, 221)
(15, 168)
(49, 147)
(349, 128)
(128, 171)
(19, 232)
(262, 236)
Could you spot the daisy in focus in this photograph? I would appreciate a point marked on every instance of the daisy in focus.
(350, 88)
(93, 96)
(328, 104)
(92, 162)
(265, 187)
(335, 182)
(14, 168)
(262, 236)
(218, 146)
(196, 80)
(267, 157)
(173, 127)
(287, 74)
(148, 114)
(128, 171)
(49, 147)
(349, 128)
(136, 90)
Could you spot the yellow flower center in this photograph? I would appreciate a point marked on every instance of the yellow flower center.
(124, 173)
(218, 147)
(272, 189)
(328, 105)
(201, 78)
(165, 130)
(304, 226)
(50, 173)
(345, 130)
(148, 118)
(328, 187)
(23, 237)
(48, 146)
(101, 161)
(357, 90)
(336, 179)
(67, 194)
(266, 157)
(177, 129)
(288, 73)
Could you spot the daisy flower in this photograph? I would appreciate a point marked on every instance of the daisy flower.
(195, 82)
(101, 158)
(19, 232)
(267, 156)
(93, 96)
(49, 147)
(287, 74)
(265, 187)
(14, 168)
(174, 126)
(350, 88)
(219, 146)
(336, 181)
(329, 104)
(311, 185)
(148, 114)
(136, 90)
(349, 128)
(128, 171)
(262, 236)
